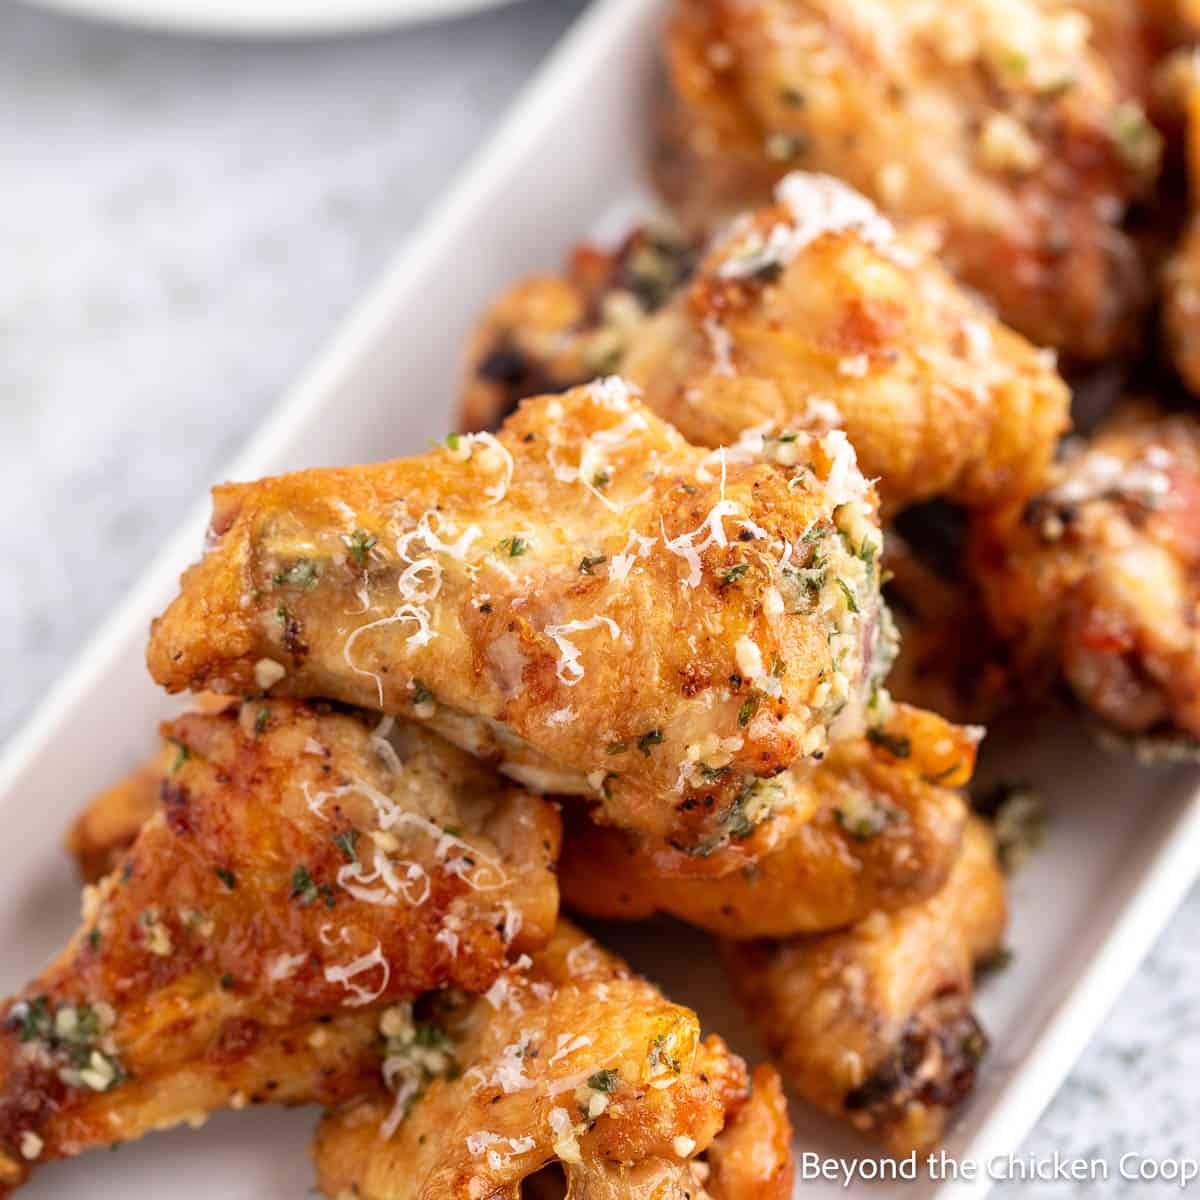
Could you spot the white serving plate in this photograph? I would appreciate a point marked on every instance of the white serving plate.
(1123, 842)
(267, 18)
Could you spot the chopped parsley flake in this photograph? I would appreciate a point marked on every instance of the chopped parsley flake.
(261, 720)
(303, 887)
(514, 546)
(896, 744)
(658, 1055)
(226, 876)
(648, 740)
(421, 692)
(588, 564)
(361, 544)
(616, 748)
(601, 480)
(732, 574)
(604, 1081)
(181, 756)
(347, 843)
(747, 711)
(851, 603)
(302, 574)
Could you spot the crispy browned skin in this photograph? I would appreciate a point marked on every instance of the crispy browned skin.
(547, 334)
(107, 827)
(883, 837)
(1097, 580)
(810, 315)
(578, 1066)
(663, 635)
(874, 1024)
(301, 868)
(1003, 124)
(813, 313)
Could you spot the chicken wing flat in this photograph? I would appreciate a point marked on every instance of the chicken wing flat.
(586, 600)
(1002, 123)
(884, 836)
(811, 314)
(874, 1024)
(576, 1079)
(303, 866)
(1097, 579)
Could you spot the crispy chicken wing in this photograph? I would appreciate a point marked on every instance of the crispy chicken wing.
(886, 834)
(576, 1079)
(811, 314)
(1003, 123)
(302, 867)
(586, 599)
(1097, 579)
(874, 1024)
(547, 334)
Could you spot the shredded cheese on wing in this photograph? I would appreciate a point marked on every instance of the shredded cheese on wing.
(684, 545)
(569, 671)
(347, 973)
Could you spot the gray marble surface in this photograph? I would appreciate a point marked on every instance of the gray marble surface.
(181, 223)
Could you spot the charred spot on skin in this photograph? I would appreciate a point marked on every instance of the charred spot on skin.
(175, 801)
(292, 631)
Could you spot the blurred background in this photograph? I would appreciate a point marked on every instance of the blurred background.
(183, 222)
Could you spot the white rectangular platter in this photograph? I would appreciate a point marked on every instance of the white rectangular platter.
(568, 161)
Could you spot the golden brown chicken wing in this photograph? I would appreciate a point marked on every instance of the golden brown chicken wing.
(1004, 124)
(586, 599)
(576, 1079)
(1097, 579)
(811, 314)
(303, 866)
(874, 1024)
(885, 835)
(547, 334)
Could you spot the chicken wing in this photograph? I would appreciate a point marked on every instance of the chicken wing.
(576, 1079)
(1002, 123)
(886, 834)
(1097, 580)
(586, 599)
(811, 314)
(550, 333)
(874, 1024)
(303, 867)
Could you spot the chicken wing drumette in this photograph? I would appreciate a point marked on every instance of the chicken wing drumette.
(885, 834)
(810, 314)
(586, 599)
(574, 1080)
(1005, 124)
(873, 1024)
(1096, 580)
(305, 866)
